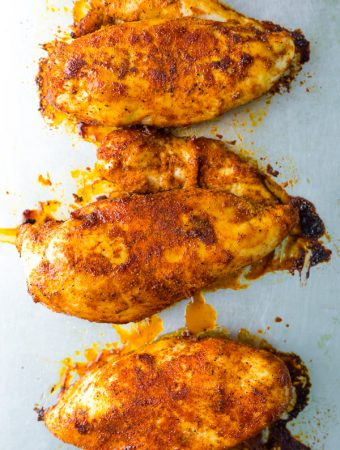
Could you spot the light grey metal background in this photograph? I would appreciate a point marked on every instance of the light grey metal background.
(301, 132)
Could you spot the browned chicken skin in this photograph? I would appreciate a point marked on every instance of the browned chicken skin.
(121, 260)
(160, 72)
(178, 393)
(91, 15)
(149, 161)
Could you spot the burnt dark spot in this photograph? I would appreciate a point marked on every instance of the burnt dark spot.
(312, 226)
(271, 171)
(236, 38)
(158, 76)
(134, 38)
(40, 412)
(280, 437)
(123, 69)
(224, 401)
(320, 254)
(29, 217)
(302, 45)
(223, 64)
(101, 197)
(118, 89)
(83, 427)
(77, 198)
(88, 220)
(173, 69)
(146, 358)
(147, 37)
(246, 60)
(202, 229)
(73, 67)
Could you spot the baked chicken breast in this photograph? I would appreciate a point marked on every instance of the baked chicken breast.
(150, 161)
(177, 393)
(160, 72)
(91, 15)
(121, 260)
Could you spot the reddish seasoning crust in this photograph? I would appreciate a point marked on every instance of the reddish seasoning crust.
(168, 393)
(278, 435)
(122, 260)
(98, 79)
(106, 13)
(147, 161)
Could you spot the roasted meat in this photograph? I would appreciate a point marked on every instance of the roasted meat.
(178, 393)
(149, 161)
(160, 72)
(121, 260)
(91, 15)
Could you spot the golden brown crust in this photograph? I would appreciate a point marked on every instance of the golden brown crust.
(91, 15)
(149, 161)
(122, 75)
(178, 393)
(123, 260)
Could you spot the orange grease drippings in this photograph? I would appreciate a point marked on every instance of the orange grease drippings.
(90, 186)
(199, 315)
(45, 181)
(8, 235)
(136, 336)
(140, 333)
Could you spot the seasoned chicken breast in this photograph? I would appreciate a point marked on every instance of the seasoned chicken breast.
(178, 393)
(125, 259)
(90, 15)
(149, 161)
(161, 72)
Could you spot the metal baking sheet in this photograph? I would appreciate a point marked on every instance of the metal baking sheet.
(298, 133)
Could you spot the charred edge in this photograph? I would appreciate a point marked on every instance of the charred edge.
(28, 217)
(319, 254)
(301, 381)
(271, 171)
(278, 434)
(280, 437)
(301, 45)
(312, 226)
(40, 412)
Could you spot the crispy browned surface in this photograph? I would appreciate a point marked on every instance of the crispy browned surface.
(90, 15)
(162, 73)
(145, 161)
(123, 260)
(178, 393)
